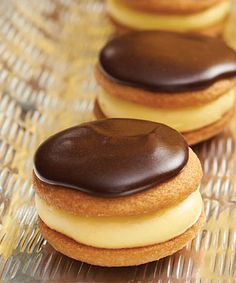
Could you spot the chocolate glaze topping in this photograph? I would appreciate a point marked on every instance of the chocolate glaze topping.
(111, 157)
(167, 62)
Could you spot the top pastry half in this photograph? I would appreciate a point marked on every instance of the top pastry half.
(108, 167)
(203, 16)
(185, 81)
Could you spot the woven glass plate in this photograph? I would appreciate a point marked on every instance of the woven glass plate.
(47, 52)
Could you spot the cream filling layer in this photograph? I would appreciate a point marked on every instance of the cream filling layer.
(144, 20)
(123, 232)
(182, 119)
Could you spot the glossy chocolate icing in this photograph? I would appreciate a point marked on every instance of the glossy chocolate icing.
(167, 62)
(111, 157)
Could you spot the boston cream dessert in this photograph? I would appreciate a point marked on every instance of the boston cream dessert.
(204, 16)
(117, 192)
(184, 81)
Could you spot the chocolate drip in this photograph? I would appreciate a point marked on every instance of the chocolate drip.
(111, 157)
(167, 62)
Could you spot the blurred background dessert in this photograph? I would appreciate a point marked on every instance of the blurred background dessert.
(208, 17)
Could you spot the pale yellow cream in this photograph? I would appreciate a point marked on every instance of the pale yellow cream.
(144, 20)
(123, 232)
(182, 119)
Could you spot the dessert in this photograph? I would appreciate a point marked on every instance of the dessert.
(117, 192)
(202, 16)
(184, 81)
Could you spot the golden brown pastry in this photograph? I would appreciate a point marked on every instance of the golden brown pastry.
(203, 16)
(117, 192)
(184, 81)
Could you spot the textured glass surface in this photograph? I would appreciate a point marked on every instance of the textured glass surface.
(47, 52)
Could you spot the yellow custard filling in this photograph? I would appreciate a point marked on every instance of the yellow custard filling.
(182, 119)
(144, 20)
(123, 232)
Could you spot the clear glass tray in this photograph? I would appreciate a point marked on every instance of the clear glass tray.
(47, 53)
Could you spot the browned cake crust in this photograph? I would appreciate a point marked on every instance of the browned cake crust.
(170, 6)
(195, 136)
(161, 196)
(165, 100)
(117, 257)
(213, 30)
